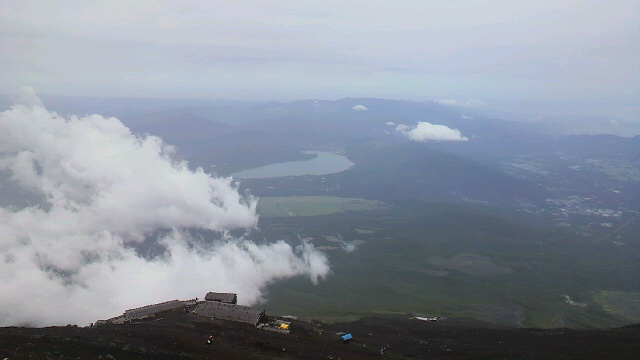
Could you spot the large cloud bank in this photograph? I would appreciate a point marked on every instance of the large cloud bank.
(425, 131)
(70, 259)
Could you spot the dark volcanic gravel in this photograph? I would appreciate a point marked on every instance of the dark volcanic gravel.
(176, 335)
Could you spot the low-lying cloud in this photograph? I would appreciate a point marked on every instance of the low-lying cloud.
(471, 103)
(448, 102)
(71, 259)
(425, 131)
(360, 108)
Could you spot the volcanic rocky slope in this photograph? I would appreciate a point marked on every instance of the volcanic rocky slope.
(176, 335)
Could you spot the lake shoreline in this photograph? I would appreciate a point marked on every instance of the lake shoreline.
(324, 163)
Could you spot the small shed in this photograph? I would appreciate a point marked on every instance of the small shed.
(229, 298)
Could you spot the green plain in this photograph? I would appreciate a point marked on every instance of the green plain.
(313, 205)
(622, 304)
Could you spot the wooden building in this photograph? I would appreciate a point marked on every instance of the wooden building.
(229, 311)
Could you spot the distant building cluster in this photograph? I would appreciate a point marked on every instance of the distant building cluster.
(215, 305)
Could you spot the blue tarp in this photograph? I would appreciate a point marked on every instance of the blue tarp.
(347, 337)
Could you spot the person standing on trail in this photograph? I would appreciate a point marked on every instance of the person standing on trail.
(209, 340)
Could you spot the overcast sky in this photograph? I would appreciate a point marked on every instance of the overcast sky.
(554, 52)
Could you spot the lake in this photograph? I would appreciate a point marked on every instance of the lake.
(324, 163)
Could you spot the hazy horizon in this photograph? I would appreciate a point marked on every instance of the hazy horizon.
(548, 58)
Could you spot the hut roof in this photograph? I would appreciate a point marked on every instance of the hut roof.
(229, 298)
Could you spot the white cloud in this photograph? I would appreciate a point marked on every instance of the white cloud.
(474, 103)
(466, 117)
(28, 97)
(360, 108)
(447, 102)
(70, 260)
(390, 123)
(425, 131)
(471, 103)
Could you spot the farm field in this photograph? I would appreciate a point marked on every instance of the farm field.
(313, 205)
